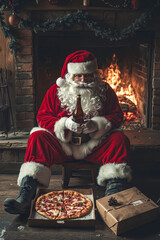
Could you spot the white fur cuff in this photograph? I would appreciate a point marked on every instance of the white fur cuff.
(113, 170)
(82, 67)
(59, 129)
(37, 171)
(104, 125)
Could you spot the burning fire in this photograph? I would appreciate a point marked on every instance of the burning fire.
(122, 87)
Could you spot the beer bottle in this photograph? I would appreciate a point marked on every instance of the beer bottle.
(78, 117)
(78, 112)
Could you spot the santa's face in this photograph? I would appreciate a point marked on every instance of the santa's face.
(88, 86)
(81, 82)
(83, 77)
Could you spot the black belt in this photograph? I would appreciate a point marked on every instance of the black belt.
(78, 139)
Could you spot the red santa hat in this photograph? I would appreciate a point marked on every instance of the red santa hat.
(76, 63)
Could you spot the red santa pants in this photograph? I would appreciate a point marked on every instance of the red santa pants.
(44, 148)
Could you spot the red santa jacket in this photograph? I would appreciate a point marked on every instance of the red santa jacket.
(51, 117)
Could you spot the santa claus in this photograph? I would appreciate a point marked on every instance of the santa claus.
(50, 142)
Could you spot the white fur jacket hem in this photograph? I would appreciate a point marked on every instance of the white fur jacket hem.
(80, 152)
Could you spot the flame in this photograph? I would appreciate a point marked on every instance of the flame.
(122, 87)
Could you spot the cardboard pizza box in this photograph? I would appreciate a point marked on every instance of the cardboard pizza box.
(127, 210)
(37, 220)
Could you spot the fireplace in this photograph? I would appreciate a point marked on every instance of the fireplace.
(126, 66)
(42, 55)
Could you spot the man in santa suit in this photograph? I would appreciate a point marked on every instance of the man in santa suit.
(50, 142)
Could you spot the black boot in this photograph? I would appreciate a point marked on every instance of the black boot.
(158, 202)
(115, 185)
(23, 202)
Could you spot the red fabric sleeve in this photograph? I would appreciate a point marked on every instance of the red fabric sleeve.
(48, 112)
(113, 110)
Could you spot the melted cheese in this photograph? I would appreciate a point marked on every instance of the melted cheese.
(54, 211)
(78, 201)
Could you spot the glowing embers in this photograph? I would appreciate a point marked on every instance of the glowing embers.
(121, 83)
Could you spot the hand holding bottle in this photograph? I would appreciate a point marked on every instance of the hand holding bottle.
(73, 126)
(89, 127)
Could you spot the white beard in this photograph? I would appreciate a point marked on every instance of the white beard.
(92, 95)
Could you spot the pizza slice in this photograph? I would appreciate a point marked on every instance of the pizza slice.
(76, 204)
(51, 205)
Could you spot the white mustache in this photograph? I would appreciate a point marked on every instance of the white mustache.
(82, 84)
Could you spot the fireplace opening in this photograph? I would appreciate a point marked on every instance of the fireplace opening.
(126, 66)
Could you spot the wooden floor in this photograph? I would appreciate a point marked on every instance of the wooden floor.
(13, 227)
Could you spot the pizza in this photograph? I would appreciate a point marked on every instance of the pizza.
(65, 204)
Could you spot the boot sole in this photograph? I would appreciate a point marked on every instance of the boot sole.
(12, 211)
(14, 207)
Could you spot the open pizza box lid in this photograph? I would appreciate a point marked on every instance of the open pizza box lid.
(37, 220)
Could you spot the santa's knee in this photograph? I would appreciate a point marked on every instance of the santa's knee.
(37, 134)
(39, 137)
(119, 139)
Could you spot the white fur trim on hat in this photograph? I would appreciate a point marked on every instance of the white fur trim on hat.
(82, 67)
(37, 171)
(113, 170)
(104, 125)
(60, 82)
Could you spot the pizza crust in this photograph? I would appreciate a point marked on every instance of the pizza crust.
(65, 204)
